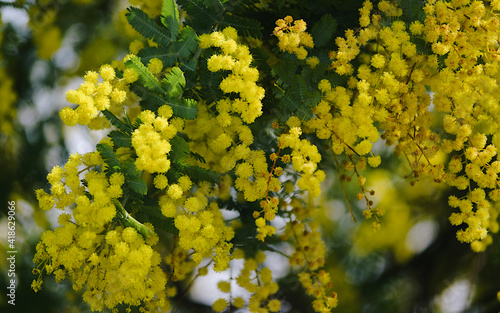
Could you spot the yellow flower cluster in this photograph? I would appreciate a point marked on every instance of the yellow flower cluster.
(115, 268)
(237, 59)
(151, 140)
(257, 280)
(205, 232)
(94, 96)
(180, 267)
(304, 157)
(114, 264)
(389, 89)
(294, 38)
(309, 254)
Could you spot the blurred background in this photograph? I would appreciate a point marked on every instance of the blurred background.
(412, 264)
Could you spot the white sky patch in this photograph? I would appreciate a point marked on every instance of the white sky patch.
(205, 290)
(456, 298)
(17, 17)
(421, 235)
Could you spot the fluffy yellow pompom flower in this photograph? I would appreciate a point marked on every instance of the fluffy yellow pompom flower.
(160, 181)
(107, 72)
(175, 191)
(130, 75)
(219, 305)
(155, 66)
(274, 305)
(224, 286)
(68, 116)
(312, 61)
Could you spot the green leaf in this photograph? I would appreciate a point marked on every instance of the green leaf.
(145, 76)
(198, 157)
(187, 43)
(138, 185)
(142, 23)
(170, 18)
(115, 121)
(413, 10)
(128, 221)
(180, 149)
(120, 139)
(299, 99)
(153, 215)
(210, 82)
(133, 178)
(174, 82)
(285, 71)
(244, 26)
(184, 108)
(197, 174)
(201, 17)
(191, 65)
(166, 56)
(150, 99)
(323, 30)
(109, 156)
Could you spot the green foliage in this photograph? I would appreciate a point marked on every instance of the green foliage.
(186, 44)
(298, 99)
(120, 139)
(133, 178)
(170, 18)
(141, 22)
(323, 31)
(115, 121)
(412, 10)
(146, 78)
(153, 215)
(180, 150)
(174, 82)
(167, 56)
(128, 221)
(206, 15)
(196, 173)
(209, 82)
(109, 157)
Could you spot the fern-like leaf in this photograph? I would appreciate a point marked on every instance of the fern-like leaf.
(412, 10)
(170, 18)
(285, 71)
(186, 44)
(201, 17)
(323, 30)
(109, 157)
(180, 149)
(166, 56)
(197, 174)
(299, 99)
(153, 215)
(210, 82)
(174, 82)
(142, 23)
(184, 108)
(145, 76)
(120, 139)
(115, 121)
(150, 100)
(133, 178)
(244, 26)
